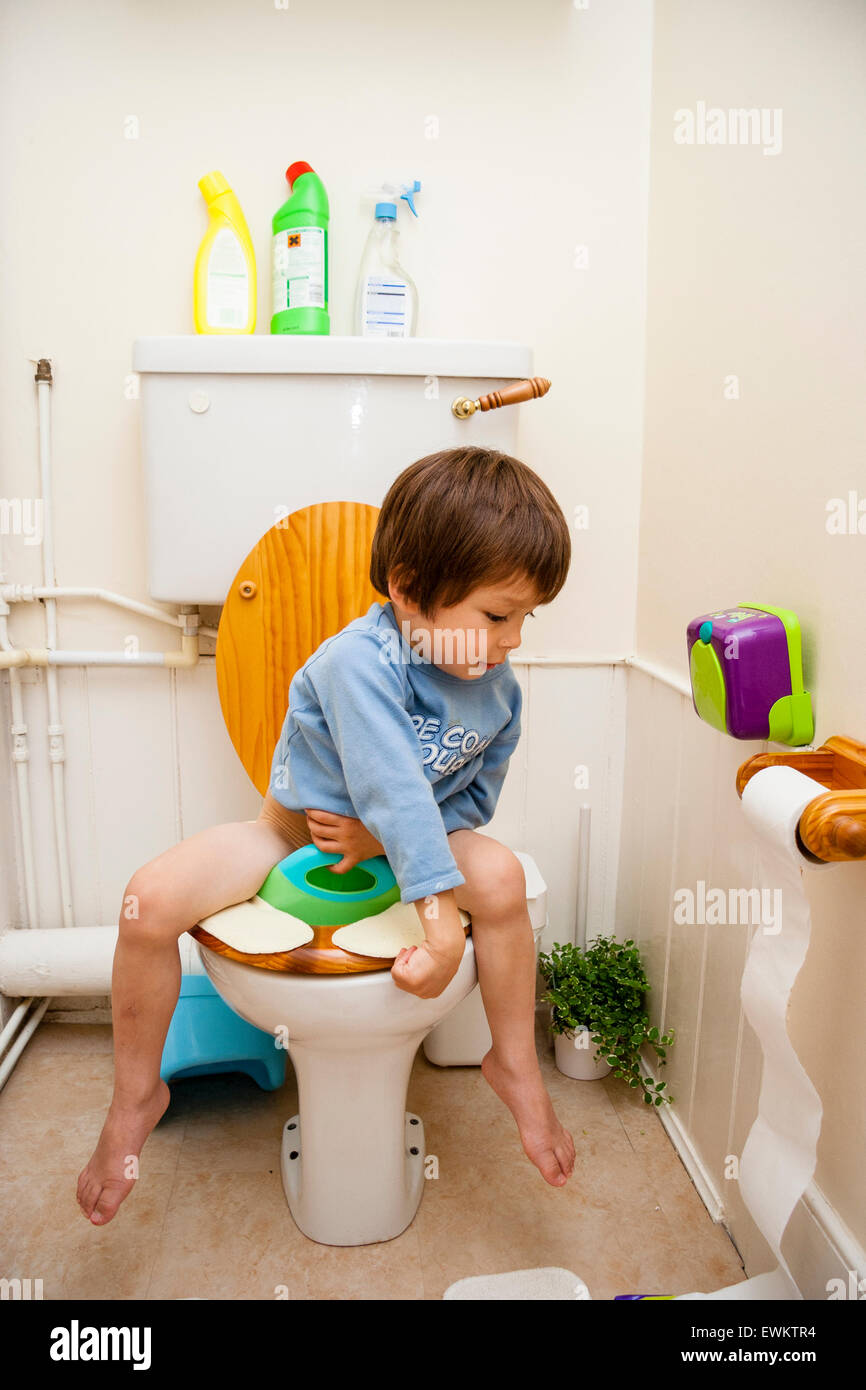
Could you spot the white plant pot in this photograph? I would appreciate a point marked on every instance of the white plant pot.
(575, 1053)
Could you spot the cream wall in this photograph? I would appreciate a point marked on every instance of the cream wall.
(540, 118)
(754, 270)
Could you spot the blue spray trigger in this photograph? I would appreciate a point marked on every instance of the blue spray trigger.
(409, 195)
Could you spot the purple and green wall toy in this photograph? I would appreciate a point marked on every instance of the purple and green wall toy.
(746, 670)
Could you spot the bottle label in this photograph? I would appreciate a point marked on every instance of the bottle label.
(227, 283)
(386, 307)
(299, 269)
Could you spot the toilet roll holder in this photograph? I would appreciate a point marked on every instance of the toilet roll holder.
(832, 827)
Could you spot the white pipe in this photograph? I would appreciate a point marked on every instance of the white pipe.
(187, 656)
(55, 658)
(56, 744)
(21, 759)
(8, 1064)
(13, 1021)
(583, 826)
(56, 961)
(26, 593)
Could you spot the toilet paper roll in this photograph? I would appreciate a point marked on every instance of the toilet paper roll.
(780, 1153)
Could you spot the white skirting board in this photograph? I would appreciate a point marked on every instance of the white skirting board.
(833, 1250)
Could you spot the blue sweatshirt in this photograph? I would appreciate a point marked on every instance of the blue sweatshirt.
(409, 749)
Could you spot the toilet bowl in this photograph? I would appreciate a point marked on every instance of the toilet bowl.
(352, 1158)
(312, 432)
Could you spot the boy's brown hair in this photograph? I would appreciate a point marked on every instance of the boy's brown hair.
(462, 518)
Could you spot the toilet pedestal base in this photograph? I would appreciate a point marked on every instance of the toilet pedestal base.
(394, 1214)
(352, 1160)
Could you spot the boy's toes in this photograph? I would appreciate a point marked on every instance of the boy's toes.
(565, 1152)
(88, 1191)
(566, 1162)
(553, 1171)
(549, 1166)
(107, 1202)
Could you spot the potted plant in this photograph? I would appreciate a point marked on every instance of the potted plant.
(597, 996)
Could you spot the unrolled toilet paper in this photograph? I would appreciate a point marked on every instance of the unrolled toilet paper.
(780, 1153)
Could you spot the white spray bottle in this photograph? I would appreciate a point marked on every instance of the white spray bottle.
(386, 302)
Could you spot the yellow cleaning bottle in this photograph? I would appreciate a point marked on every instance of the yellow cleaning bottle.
(224, 299)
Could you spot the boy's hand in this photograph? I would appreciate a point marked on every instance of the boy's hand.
(344, 835)
(425, 970)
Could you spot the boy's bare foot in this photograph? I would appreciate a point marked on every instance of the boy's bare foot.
(545, 1142)
(102, 1184)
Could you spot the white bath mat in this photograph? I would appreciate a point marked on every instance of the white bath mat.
(523, 1284)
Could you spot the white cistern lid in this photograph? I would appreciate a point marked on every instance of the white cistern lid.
(301, 353)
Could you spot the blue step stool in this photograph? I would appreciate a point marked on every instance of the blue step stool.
(206, 1036)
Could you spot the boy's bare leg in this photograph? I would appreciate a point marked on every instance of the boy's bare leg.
(495, 895)
(222, 865)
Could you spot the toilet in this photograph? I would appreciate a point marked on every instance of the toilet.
(352, 1159)
(280, 450)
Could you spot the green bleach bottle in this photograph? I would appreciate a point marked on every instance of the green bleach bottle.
(300, 255)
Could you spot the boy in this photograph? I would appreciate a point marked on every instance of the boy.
(396, 742)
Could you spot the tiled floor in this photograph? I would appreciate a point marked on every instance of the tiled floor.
(208, 1218)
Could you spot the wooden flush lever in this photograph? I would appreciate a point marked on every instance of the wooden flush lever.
(527, 390)
(833, 826)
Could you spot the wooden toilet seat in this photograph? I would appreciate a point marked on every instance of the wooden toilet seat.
(306, 578)
(303, 581)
